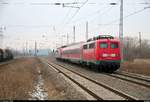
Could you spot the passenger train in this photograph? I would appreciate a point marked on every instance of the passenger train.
(102, 52)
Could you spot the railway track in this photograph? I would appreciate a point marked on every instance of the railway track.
(131, 78)
(117, 93)
(135, 76)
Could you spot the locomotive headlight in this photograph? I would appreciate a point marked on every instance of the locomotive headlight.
(104, 55)
(113, 55)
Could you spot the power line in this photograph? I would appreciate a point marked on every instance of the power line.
(67, 15)
(136, 12)
(89, 16)
(68, 12)
(109, 9)
(77, 11)
(97, 12)
(129, 15)
(105, 12)
(125, 16)
(62, 3)
(29, 26)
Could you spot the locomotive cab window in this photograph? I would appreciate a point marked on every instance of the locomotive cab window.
(92, 45)
(84, 46)
(103, 45)
(114, 45)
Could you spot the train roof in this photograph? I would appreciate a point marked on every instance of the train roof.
(72, 44)
(97, 38)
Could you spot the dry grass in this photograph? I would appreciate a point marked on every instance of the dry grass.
(17, 79)
(137, 66)
(53, 92)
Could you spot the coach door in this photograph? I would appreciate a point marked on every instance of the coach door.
(91, 51)
(84, 53)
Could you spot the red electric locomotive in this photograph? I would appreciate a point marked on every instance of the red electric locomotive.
(102, 52)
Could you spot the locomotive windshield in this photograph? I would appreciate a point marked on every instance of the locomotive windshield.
(103, 45)
(114, 45)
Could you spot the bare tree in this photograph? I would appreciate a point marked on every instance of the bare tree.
(133, 50)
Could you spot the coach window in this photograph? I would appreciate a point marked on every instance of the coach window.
(84, 46)
(92, 45)
(103, 45)
(114, 45)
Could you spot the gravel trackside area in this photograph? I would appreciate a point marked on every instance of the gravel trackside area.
(65, 90)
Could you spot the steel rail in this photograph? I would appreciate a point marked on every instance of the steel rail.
(129, 80)
(132, 76)
(84, 88)
(126, 96)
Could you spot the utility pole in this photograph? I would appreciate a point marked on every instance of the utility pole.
(86, 30)
(73, 34)
(1, 39)
(23, 49)
(121, 30)
(127, 50)
(67, 39)
(35, 54)
(16, 52)
(62, 42)
(140, 42)
(26, 48)
(2, 28)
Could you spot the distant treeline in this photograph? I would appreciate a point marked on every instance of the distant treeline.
(134, 48)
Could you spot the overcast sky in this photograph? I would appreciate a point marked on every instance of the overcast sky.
(26, 22)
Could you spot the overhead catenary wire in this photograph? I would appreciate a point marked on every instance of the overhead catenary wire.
(104, 11)
(68, 12)
(28, 26)
(138, 11)
(90, 15)
(61, 3)
(114, 21)
(97, 12)
(75, 14)
(77, 11)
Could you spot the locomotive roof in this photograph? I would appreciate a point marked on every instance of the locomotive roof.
(98, 38)
(115, 39)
